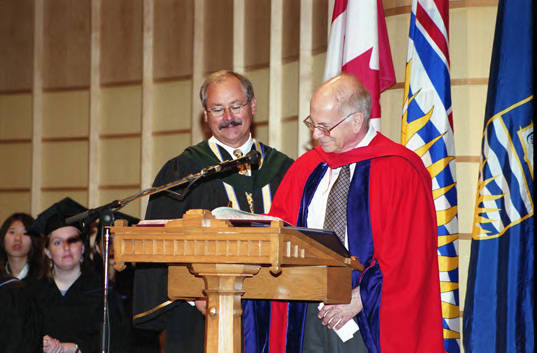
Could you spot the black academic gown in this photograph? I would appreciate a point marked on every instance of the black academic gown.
(184, 324)
(142, 341)
(77, 316)
(19, 330)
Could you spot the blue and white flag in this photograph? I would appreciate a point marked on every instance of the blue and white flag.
(500, 299)
(427, 129)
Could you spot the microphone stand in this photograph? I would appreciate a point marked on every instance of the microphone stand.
(105, 214)
(106, 219)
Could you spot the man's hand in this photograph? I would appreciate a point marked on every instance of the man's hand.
(335, 316)
(201, 305)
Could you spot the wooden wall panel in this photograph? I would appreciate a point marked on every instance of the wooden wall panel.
(120, 162)
(16, 116)
(391, 106)
(261, 132)
(172, 105)
(260, 81)
(65, 164)
(257, 33)
(467, 174)
(465, 248)
(16, 45)
(133, 208)
(121, 41)
(290, 89)
(468, 118)
(291, 29)
(167, 147)
(11, 202)
(289, 138)
(470, 38)
(121, 109)
(318, 69)
(66, 44)
(17, 170)
(174, 21)
(320, 22)
(218, 32)
(397, 26)
(394, 4)
(51, 197)
(68, 110)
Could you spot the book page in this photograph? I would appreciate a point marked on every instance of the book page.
(231, 214)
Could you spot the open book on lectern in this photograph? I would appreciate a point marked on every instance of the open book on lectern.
(246, 219)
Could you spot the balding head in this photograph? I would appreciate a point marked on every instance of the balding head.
(346, 93)
(344, 100)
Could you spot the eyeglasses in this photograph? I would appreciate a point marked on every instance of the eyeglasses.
(234, 109)
(325, 130)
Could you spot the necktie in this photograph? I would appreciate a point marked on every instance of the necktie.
(335, 218)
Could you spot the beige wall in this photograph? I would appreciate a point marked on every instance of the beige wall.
(92, 109)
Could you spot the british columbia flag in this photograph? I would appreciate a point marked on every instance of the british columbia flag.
(427, 129)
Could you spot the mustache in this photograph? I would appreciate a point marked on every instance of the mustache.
(229, 123)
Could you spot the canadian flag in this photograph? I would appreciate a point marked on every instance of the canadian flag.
(359, 45)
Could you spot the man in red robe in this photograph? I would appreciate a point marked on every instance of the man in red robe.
(390, 228)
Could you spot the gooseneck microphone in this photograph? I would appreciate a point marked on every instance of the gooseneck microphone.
(251, 158)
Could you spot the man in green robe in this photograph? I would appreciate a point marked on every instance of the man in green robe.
(228, 108)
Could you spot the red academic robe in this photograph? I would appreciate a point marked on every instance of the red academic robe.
(398, 243)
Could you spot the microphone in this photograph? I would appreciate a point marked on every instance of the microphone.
(91, 214)
(251, 158)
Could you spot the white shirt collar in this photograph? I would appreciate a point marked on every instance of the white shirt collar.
(20, 275)
(369, 136)
(245, 148)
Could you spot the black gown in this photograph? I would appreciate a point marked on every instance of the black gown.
(184, 324)
(77, 316)
(19, 322)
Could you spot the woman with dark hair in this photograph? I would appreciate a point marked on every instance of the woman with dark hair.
(21, 253)
(70, 296)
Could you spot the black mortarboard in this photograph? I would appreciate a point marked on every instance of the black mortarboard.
(54, 217)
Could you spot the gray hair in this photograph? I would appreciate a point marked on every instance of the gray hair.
(357, 100)
(220, 76)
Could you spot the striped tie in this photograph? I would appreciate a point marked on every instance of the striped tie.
(335, 218)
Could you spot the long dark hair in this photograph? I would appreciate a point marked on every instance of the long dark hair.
(35, 255)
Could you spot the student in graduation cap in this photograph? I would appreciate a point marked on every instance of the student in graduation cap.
(70, 296)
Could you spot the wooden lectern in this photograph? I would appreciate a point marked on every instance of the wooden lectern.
(213, 258)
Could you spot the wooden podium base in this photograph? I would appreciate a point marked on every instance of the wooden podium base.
(223, 319)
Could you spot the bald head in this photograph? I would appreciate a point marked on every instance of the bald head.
(346, 93)
(345, 101)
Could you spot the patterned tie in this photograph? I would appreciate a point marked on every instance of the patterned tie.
(335, 218)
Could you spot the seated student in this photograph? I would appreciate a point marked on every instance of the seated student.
(18, 320)
(21, 254)
(70, 297)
